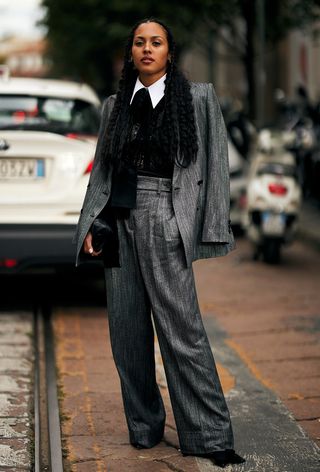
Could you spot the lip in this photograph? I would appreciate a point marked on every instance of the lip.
(147, 60)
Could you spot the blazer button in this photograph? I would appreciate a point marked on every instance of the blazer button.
(105, 192)
(92, 215)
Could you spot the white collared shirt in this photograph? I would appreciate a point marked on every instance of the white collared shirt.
(156, 90)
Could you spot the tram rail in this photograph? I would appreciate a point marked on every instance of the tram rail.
(47, 433)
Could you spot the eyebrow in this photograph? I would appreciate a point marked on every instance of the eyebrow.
(152, 37)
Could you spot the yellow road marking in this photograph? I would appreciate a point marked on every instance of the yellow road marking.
(228, 381)
(249, 363)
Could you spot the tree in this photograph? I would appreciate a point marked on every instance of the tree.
(86, 37)
(236, 24)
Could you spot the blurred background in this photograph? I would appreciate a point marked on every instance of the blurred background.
(247, 48)
(262, 57)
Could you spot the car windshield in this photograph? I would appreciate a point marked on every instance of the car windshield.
(58, 115)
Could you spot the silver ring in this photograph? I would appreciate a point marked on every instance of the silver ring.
(91, 251)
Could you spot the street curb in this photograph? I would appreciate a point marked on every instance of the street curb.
(309, 237)
(309, 225)
(266, 433)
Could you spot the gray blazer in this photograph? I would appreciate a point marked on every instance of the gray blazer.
(200, 192)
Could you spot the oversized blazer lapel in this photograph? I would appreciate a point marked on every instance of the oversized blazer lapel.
(200, 191)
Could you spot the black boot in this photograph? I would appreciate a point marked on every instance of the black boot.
(221, 458)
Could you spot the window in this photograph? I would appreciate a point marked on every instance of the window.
(52, 114)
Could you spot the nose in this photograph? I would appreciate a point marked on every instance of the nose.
(146, 47)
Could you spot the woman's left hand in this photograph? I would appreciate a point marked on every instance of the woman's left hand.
(87, 246)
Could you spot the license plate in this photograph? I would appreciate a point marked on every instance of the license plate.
(21, 169)
(273, 224)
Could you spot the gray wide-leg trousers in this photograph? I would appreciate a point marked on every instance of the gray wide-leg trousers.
(153, 277)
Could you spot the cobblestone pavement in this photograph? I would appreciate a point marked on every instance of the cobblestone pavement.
(16, 370)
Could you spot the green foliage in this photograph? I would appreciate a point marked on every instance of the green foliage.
(87, 36)
(281, 16)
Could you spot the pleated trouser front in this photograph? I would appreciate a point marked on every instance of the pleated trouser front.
(153, 277)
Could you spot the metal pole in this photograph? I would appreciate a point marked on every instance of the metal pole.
(211, 61)
(261, 63)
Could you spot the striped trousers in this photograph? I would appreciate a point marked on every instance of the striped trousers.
(154, 281)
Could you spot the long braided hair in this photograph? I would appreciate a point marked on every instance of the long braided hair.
(176, 133)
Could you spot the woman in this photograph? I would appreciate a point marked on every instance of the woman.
(161, 173)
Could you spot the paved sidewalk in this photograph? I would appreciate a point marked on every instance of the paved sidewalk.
(309, 223)
(271, 315)
(265, 431)
(255, 331)
(94, 430)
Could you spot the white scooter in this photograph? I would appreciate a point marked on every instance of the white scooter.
(273, 196)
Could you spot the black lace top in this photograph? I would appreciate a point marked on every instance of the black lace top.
(141, 151)
(141, 154)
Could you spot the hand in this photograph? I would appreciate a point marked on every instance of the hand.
(87, 246)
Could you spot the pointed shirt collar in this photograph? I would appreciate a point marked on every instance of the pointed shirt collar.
(156, 90)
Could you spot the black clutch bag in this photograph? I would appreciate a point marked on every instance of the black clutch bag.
(103, 232)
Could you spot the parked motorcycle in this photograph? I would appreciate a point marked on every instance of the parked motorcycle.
(301, 117)
(273, 196)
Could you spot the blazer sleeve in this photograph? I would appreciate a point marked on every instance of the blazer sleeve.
(216, 223)
(97, 175)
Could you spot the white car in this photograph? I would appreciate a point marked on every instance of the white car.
(48, 132)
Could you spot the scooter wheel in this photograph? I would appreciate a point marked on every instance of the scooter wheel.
(271, 251)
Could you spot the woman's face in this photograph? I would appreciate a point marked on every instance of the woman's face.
(150, 52)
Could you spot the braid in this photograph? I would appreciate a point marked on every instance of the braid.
(175, 133)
